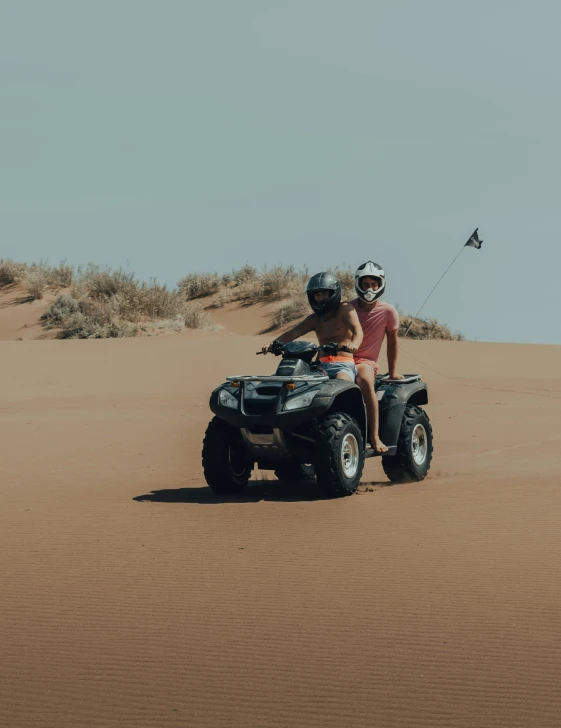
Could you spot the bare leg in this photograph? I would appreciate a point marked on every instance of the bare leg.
(365, 380)
(344, 375)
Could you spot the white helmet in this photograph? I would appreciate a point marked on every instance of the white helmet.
(369, 269)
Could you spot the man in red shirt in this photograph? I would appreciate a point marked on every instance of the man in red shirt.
(378, 320)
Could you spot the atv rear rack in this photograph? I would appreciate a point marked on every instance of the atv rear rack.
(407, 379)
(310, 378)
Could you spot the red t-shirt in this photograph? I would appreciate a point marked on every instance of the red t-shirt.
(375, 323)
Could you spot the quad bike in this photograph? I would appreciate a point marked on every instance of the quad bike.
(300, 424)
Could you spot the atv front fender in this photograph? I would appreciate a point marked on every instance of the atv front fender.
(348, 398)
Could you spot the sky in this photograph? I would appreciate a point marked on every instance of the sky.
(177, 137)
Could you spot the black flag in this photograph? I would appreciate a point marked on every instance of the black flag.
(474, 241)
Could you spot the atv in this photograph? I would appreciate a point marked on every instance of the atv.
(301, 424)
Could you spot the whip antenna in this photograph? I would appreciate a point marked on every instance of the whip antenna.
(473, 242)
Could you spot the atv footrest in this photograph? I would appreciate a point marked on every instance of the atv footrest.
(371, 453)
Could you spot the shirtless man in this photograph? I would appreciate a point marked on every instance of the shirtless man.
(332, 321)
(378, 320)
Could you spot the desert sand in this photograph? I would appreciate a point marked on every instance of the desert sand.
(131, 596)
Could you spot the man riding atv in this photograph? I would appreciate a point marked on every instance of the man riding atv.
(332, 322)
(361, 326)
(378, 320)
(308, 419)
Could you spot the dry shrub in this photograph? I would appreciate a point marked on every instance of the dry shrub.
(243, 275)
(427, 329)
(250, 291)
(222, 298)
(107, 303)
(146, 301)
(104, 283)
(10, 272)
(83, 319)
(279, 281)
(161, 326)
(60, 275)
(289, 310)
(128, 298)
(195, 317)
(36, 283)
(347, 280)
(36, 277)
(90, 319)
(199, 285)
(61, 310)
(270, 285)
(158, 302)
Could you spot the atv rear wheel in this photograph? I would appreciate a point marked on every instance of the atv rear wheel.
(294, 472)
(414, 448)
(227, 463)
(340, 455)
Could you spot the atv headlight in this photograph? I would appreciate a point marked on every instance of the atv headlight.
(299, 401)
(227, 400)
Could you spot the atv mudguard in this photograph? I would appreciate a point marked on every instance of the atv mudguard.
(340, 395)
(393, 398)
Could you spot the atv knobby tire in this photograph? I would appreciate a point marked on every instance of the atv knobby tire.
(340, 459)
(227, 463)
(414, 448)
(294, 472)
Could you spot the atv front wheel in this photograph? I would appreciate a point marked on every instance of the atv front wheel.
(227, 463)
(340, 455)
(294, 472)
(414, 448)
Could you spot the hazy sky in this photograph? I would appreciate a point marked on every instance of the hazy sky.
(179, 136)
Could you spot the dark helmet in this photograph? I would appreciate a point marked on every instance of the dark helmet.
(374, 271)
(324, 282)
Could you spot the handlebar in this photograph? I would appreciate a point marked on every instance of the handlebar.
(277, 348)
(333, 348)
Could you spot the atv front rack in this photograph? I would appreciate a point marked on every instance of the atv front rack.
(309, 378)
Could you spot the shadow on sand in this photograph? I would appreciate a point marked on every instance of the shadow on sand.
(16, 301)
(258, 490)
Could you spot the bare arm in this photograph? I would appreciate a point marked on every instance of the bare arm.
(392, 349)
(355, 328)
(304, 327)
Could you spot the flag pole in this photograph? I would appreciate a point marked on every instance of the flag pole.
(430, 294)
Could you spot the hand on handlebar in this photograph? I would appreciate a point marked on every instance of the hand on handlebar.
(333, 348)
(351, 349)
(273, 346)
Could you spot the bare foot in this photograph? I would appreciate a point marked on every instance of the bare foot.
(379, 445)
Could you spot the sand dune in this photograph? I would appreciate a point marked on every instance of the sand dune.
(133, 597)
(20, 316)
